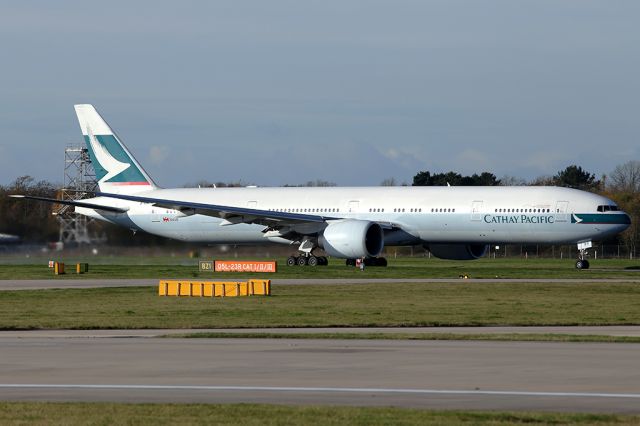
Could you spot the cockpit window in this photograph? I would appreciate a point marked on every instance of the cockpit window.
(608, 208)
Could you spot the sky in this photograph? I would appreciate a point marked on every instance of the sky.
(352, 92)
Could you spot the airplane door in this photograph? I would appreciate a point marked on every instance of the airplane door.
(354, 206)
(561, 211)
(476, 211)
(156, 216)
(252, 204)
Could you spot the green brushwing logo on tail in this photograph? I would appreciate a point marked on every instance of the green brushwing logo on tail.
(110, 161)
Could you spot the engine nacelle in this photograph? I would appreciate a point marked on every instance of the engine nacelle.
(351, 239)
(458, 251)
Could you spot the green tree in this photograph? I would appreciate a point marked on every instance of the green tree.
(425, 178)
(576, 177)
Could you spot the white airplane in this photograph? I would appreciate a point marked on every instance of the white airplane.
(451, 222)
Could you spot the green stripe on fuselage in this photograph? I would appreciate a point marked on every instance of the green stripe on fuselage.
(604, 218)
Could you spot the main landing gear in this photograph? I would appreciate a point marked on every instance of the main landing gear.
(582, 262)
(309, 260)
(306, 256)
(369, 261)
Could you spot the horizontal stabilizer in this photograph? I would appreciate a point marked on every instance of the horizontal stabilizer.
(73, 203)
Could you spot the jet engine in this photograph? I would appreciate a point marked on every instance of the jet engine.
(458, 251)
(351, 239)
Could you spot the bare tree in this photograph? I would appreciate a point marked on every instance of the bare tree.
(389, 182)
(626, 177)
(206, 184)
(313, 183)
(543, 181)
(507, 180)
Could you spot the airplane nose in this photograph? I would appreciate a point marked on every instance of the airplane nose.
(626, 222)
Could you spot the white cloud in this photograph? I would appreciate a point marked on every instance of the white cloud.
(158, 153)
(392, 154)
(544, 161)
(474, 161)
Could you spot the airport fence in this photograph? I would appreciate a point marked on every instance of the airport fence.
(539, 251)
(187, 255)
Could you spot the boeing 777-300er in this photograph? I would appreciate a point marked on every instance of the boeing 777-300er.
(350, 223)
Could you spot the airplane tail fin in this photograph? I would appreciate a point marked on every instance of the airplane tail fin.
(116, 169)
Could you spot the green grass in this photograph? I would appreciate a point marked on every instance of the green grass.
(498, 337)
(38, 413)
(398, 268)
(393, 305)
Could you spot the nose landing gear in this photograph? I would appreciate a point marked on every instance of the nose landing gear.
(582, 262)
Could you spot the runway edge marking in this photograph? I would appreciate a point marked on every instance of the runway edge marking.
(320, 389)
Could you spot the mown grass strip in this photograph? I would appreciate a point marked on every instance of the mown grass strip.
(498, 337)
(419, 267)
(367, 305)
(42, 413)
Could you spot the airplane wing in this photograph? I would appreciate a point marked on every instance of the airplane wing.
(229, 213)
(73, 203)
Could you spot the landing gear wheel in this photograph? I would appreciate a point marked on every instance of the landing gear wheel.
(312, 261)
(302, 261)
(582, 264)
(375, 261)
(323, 261)
(291, 261)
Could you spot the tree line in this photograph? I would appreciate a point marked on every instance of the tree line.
(33, 221)
(572, 177)
(622, 185)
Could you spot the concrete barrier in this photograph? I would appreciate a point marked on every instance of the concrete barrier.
(190, 288)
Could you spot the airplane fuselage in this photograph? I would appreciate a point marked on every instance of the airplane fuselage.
(470, 215)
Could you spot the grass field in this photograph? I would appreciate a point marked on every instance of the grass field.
(398, 268)
(34, 413)
(393, 305)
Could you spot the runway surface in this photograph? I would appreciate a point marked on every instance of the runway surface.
(610, 330)
(97, 283)
(138, 366)
(430, 374)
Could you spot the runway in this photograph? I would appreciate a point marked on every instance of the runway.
(581, 377)
(607, 330)
(141, 366)
(42, 284)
